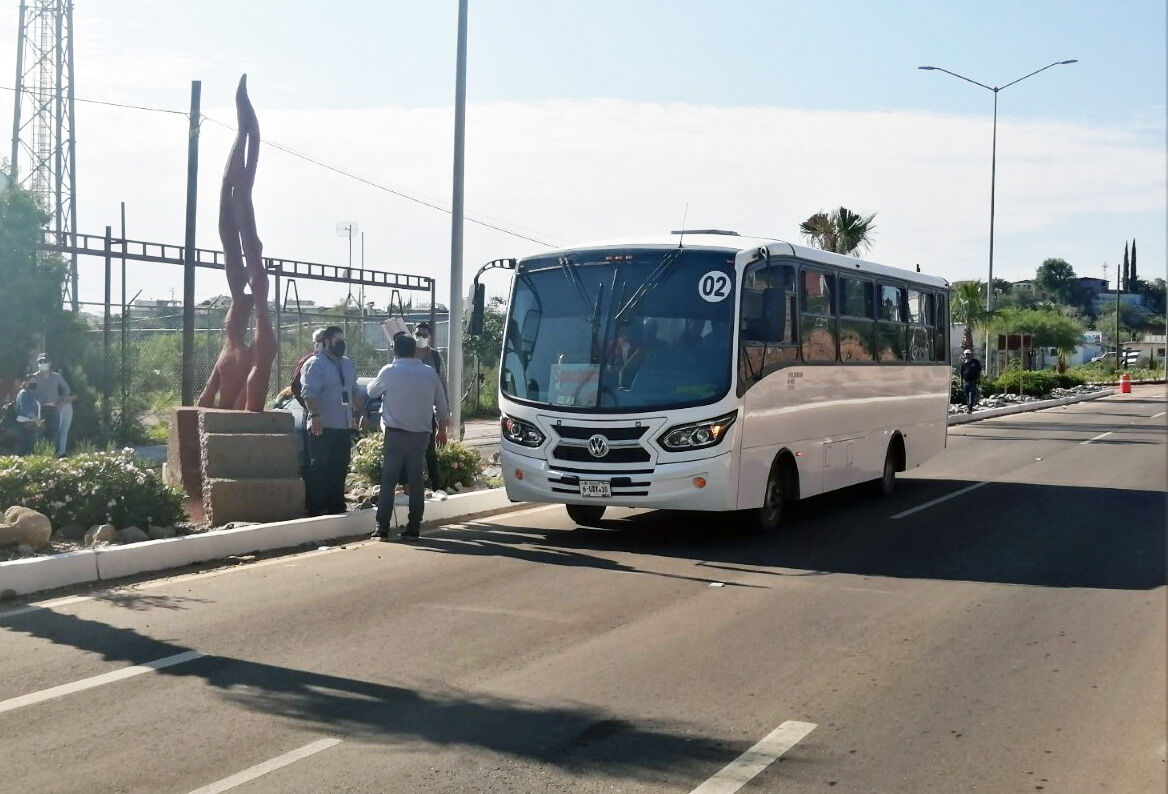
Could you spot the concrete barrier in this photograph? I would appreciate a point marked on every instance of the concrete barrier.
(1019, 408)
(114, 562)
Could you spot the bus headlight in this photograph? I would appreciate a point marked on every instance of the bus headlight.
(523, 433)
(698, 435)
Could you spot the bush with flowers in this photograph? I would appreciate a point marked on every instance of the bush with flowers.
(90, 488)
(457, 463)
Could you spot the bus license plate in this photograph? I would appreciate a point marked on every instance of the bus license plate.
(595, 488)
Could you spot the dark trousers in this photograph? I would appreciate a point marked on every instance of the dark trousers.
(52, 426)
(970, 395)
(328, 463)
(26, 436)
(402, 450)
(432, 460)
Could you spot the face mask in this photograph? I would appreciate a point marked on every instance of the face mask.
(43, 367)
(423, 341)
(338, 348)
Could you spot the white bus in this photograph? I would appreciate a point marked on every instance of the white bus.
(709, 371)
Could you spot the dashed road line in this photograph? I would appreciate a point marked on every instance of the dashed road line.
(747, 766)
(95, 681)
(259, 770)
(941, 499)
(1096, 438)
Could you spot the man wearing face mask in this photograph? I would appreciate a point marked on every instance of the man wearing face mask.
(329, 390)
(55, 397)
(423, 335)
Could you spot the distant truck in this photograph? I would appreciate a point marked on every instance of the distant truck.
(1130, 358)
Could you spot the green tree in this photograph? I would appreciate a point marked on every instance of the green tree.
(1154, 296)
(31, 295)
(1049, 327)
(840, 231)
(967, 305)
(1056, 279)
(1125, 279)
(1133, 276)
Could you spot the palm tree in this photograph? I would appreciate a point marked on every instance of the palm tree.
(840, 231)
(967, 305)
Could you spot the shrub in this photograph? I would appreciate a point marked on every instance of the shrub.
(457, 463)
(1035, 383)
(90, 488)
(1069, 380)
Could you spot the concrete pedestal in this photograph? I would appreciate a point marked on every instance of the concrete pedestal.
(236, 465)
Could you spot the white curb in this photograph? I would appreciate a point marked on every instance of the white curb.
(960, 419)
(112, 562)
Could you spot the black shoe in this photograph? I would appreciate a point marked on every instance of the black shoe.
(410, 534)
(381, 533)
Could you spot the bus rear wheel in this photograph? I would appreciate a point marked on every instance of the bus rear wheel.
(887, 482)
(586, 515)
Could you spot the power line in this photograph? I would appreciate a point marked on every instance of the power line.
(102, 102)
(379, 186)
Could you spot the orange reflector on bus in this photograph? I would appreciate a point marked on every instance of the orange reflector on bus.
(699, 482)
(519, 474)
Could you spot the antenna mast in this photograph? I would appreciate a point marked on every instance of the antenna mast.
(44, 157)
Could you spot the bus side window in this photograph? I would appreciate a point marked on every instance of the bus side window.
(941, 329)
(856, 325)
(891, 330)
(766, 341)
(817, 323)
(920, 318)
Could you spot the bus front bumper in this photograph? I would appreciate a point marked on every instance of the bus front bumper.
(670, 486)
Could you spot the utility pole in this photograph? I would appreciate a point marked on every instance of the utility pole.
(454, 371)
(188, 337)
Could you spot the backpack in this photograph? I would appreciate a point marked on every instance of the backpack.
(296, 384)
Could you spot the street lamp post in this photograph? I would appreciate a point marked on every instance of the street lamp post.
(993, 169)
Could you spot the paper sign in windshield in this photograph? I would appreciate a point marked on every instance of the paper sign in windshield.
(714, 287)
(574, 384)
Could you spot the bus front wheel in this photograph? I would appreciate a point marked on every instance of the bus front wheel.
(776, 500)
(585, 515)
(887, 482)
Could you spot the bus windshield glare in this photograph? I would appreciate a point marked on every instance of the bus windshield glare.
(621, 330)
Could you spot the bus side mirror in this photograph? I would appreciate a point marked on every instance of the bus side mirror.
(478, 310)
(774, 306)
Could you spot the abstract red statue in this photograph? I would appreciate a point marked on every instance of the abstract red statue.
(242, 373)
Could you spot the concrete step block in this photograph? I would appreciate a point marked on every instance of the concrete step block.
(227, 500)
(214, 420)
(258, 456)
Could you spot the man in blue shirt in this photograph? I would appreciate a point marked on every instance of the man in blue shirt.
(28, 416)
(413, 394)
(329, 389)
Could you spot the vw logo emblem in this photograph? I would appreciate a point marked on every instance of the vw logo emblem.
(598, 446)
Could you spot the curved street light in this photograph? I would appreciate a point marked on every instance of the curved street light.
(994, 166)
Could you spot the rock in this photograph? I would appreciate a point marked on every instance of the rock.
(23, 526)
(103, 533)
(158, 533)
(132, 535)
(25, 550)
(71, 532)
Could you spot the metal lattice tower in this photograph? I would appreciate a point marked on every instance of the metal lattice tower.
(44, 156)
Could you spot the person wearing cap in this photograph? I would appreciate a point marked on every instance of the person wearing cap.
(423, 336)
(56, 400)
(970, 374)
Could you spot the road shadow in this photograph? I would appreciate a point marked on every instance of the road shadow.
(571, 737)
(1008, 533)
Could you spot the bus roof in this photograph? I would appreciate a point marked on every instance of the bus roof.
(730, 241)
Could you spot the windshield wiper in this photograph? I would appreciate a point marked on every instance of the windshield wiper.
(651, 281)
(570, 271)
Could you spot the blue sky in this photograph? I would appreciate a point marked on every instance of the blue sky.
(728, 95)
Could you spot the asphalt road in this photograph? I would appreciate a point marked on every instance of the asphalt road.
(1010, 638)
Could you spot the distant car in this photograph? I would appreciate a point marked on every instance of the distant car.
(1130, 357)
(372, 407)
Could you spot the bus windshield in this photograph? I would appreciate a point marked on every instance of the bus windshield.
(621, 330)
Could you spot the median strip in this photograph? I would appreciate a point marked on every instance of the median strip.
(750, 764)
(95, 681)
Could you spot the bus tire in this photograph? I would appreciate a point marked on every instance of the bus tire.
(585, 515)
(781, 491)
(893, 462)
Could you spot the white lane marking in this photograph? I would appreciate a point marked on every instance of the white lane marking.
(259, 770)
(747, 766)
(1101, 435)
(940, 499)
(1157, 416)
(96, 681)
